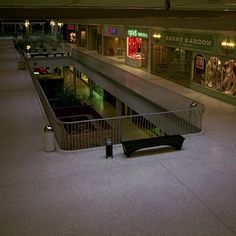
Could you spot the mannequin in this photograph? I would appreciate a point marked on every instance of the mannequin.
(229, 83)
(213, 73)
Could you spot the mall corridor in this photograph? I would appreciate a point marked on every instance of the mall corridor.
(190, 192)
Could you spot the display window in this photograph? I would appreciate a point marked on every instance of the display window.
(114, 46)
(229, 77)
(134, 46)
(172, 63)
(221, 76)
(72, 37)
(199, 69)
(215, 74)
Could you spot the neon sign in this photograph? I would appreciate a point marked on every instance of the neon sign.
(112, 31)
(136, 33)
(71, 27)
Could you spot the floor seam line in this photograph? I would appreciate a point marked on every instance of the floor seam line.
(197, 197)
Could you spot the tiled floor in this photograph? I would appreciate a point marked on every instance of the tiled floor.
(166, 193)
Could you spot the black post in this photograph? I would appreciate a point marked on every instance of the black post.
(109, 149)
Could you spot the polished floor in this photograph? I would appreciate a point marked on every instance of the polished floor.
(191, 192)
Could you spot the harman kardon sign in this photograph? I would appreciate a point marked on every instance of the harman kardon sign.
(189, 40)
(196, 41)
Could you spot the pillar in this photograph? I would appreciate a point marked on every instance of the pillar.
(74, 81)
(56, 29)
(103, 46)
(118, 107)
(149, 50)
(91, 88)
(42, 28)
(64, 72)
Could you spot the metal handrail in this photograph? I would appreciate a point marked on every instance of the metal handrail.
(93, 133)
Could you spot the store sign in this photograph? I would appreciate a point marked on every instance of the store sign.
(199, 62)
(112, 31)
(187, 40)
(71, 27)
(137, 33)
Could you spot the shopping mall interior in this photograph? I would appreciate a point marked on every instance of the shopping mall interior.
(123, 59)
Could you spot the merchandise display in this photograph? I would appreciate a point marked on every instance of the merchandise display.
(134, 47)
(229, 82)
(218, 76)
(213, 78)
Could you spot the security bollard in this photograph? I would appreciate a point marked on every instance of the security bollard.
(109, 149)
(192, 115)
(49, 139)
(193, 104)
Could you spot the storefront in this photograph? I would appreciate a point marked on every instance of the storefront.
(82, 36)
(114, 41)
(71, 34)
(205, 62)
(137, 47)
(92, 37)
(214, 73)
(171, 57)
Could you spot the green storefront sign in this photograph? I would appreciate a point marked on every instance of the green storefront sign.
(137, 33)
(187, 40)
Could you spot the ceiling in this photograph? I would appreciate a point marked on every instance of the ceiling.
(176, 4)
(201, 14)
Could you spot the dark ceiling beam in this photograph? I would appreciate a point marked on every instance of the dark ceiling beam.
(76, 13)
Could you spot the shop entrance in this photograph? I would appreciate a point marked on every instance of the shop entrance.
(172, 63)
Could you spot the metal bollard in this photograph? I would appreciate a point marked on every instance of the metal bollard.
(49, 139)
(193, 104)
(192, 115)
(109, 149)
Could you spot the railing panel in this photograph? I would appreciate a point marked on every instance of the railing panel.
(94, 133)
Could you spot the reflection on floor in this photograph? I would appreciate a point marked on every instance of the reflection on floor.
(182, 193)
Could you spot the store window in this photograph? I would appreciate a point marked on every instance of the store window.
(71, 33)
(216, 75)
(72, 38)
(229, 77)
(199, 69)
(213, 76)
(114, 46)
(172, 63)
(134, 46)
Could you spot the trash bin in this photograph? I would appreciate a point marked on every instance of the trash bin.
(109, 149)
(49, 139)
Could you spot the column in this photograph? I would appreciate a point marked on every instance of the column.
(3, 30)
(56, 29)
(74, 80)
(118, 107)
(120, 123)
(91, 88)
(64, 72)
(87, 37)
(42, 28)
(149, 50)
(103, 49)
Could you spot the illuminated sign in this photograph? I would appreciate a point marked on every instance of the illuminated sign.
(112, 31)
(190, 40)
(136, 33)
(71, 27)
